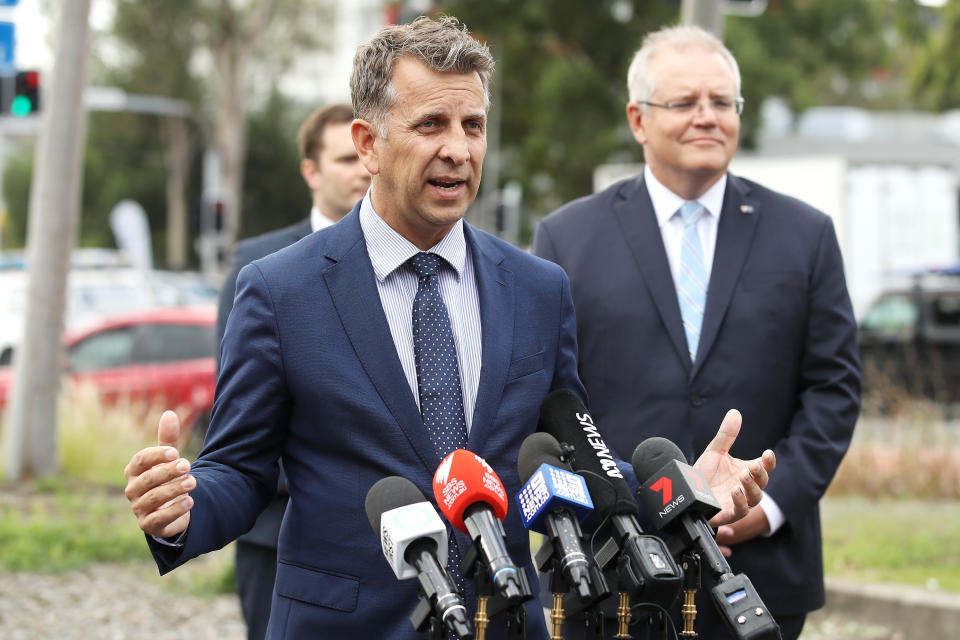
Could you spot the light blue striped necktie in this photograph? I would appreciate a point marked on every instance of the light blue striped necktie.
(691, 276)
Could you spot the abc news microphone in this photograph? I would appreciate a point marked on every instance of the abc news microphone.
(646, 570)
(680, 501)
(553, 502)
(471, 496)
(414, 541)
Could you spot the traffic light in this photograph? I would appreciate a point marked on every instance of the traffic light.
(26, 93)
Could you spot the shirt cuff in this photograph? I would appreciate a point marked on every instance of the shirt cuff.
(171, 541)
(774, 515)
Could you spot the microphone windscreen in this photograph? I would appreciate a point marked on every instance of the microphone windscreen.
(389, 493)
(650, 456)
(539, 448)
(563, 416)
(463, 479)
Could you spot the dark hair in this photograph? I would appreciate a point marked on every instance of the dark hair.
(310, 135)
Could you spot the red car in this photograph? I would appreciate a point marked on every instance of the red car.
(158, 358)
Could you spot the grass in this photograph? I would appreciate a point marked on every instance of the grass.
(910, 535)
(914, 542)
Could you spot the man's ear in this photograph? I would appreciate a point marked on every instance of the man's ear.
(635, 115)
(310, 172)
(364, 136)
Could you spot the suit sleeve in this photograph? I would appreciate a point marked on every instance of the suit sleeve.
(238, 469)
(828, 402)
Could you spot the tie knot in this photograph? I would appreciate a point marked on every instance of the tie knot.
(425, 264)
(691, 212)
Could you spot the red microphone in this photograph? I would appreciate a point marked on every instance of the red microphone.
(471, 496)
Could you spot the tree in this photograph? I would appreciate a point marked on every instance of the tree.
(935, 76)
(221, 55)
(563, 64)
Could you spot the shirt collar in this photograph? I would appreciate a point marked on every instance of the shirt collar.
(388, 249)
(318, 220)
(666, 202)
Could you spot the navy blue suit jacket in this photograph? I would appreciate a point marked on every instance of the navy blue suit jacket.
(310, 372)
(778, 343)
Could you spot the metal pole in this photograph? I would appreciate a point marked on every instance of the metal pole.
(30, 433)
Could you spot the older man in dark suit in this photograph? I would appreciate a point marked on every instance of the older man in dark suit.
(697, 291)
(337, 180)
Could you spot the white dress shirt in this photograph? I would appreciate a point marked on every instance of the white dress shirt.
(665, 205)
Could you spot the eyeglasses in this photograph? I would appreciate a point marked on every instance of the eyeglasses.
(719, 105)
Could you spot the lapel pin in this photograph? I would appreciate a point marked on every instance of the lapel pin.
(746, 208)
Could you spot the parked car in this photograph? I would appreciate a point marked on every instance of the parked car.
(158, 358)
(910, 340)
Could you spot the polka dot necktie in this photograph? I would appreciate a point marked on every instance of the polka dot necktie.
(438, 372)
(438, 376)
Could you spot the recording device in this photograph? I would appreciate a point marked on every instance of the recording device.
(414, 542)
(680, 501)
(473, 499)
(645, 568)
(553, 502)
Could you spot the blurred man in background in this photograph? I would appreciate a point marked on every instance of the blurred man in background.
(337, 180)
(697, 291)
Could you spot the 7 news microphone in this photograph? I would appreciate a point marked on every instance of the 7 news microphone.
(680, 501)
(471, 496)
(414, 541)
(645, 568)
(553, 502)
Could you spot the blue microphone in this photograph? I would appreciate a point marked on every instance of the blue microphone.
(553, 502)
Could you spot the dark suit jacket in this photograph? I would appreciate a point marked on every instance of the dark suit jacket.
(267, 527)
(310, 372)
(778, 343)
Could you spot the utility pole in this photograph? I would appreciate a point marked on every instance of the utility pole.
(703, 13)
(30, 433)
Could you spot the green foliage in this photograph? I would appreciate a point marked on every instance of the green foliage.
(274, 194)
(66, 526)
(936, 75)
(563, 63)
(18, 172)
(866, 540)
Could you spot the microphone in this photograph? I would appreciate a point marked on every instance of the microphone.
(645, 568)
(553, 502)
(414, 542)
(471, 496)
(680, 501)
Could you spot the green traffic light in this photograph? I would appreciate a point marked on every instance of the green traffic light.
(21, 106)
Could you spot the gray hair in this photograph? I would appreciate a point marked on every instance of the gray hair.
(444, 45)
(639, 83)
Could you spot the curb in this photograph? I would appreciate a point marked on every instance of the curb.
(909, 612)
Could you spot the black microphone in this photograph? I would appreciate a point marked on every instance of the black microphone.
(680, 501)
(645, 567)
(552, 502)
(414, 541)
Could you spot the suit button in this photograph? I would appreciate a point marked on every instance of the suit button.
(697, 400)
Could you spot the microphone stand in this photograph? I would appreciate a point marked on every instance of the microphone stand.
(424, 619)
(547, 561)
(690, 563)
(490, 601)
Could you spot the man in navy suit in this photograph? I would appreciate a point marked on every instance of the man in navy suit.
(337, 180)
(319, 364)
(741, 304)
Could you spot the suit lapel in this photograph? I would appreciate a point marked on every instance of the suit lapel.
(352, 286)
(495, 291)
(734, 237)
(634, 212)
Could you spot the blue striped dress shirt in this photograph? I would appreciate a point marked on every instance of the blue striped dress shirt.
(397, 286)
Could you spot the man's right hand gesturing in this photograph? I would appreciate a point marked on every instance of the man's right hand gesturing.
(158, 482)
